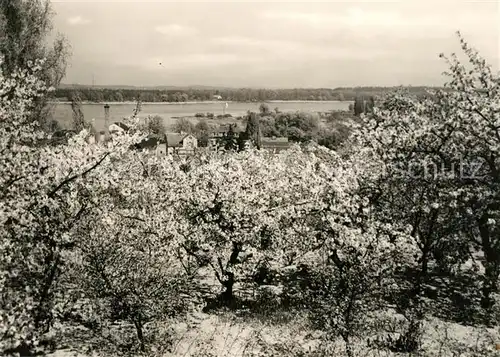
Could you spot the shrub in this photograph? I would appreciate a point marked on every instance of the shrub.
(45, 197)
(264, 109)
(155, 125)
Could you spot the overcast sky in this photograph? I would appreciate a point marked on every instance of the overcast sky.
(263, 44)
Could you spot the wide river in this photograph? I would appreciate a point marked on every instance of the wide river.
(168, 111)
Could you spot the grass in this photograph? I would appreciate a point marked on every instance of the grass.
(230, 334)
(272, 330)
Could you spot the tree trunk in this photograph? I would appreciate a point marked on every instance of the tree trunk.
(228, 276)
(349, 316)
(140, 335)
(492, 264)
(422, 274)
(43, 313)
(227, 295)
(348, 347)
(489, 285)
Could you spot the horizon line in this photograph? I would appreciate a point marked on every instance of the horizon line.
(202, 86)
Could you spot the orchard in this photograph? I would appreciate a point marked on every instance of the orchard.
(396, 230)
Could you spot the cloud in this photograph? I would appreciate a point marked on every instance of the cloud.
(352, 17)
(78, 20)
(317, 43)
(256, 44)
(357, 17)
(312, 19)
(291, 51)
(175, 30)
(371, 22)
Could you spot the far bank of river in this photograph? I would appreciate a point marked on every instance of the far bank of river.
(169, 111)
(222, 102)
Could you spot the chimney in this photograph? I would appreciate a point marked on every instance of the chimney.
(106, 122)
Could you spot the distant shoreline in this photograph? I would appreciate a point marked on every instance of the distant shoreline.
(203, 102)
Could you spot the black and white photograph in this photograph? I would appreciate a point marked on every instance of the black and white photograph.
(250, 178)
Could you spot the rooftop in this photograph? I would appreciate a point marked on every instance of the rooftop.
(175, 139)
(121, 125)
(225, 129)
(275, 143)
(148, 143)
(274, 140)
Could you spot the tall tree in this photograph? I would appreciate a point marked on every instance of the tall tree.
(155, 125)
(253, 131)
(369, 105)
(25, 26)
(359, 105)
(202, 132)
(78, 117)
(183, 125)
(264, 109)
(230, 141)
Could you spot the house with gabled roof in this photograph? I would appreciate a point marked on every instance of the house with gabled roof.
(181, 144)
(222, 132)
(149, 143)
(152, 144)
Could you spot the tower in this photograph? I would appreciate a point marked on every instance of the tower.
(106, 122)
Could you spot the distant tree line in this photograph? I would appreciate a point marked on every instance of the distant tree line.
(237, 94)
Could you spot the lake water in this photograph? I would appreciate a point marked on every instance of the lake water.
(62, 112)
